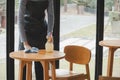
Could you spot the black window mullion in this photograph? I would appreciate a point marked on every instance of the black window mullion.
(10, 39)
(99, 37)
(57, 27)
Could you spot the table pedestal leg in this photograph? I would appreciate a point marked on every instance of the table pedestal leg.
(110, 61)
(28, 70)
(21, 66)
(53, 67)
(45, 65)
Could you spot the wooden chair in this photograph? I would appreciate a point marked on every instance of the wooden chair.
(108, 78)
(76, 55)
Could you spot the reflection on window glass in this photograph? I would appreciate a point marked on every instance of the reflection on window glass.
(78, 27)
(2, 40)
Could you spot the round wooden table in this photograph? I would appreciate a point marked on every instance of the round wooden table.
(42, 56)
(113, 46)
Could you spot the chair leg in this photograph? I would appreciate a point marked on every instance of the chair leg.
(88, 71)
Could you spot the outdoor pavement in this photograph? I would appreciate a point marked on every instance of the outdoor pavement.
(70, 23)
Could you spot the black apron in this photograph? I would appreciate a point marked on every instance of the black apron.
(35, 24)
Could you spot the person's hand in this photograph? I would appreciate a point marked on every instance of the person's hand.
(26, 45)
(49, 37)
(29, 49)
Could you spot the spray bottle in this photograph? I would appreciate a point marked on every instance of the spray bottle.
(49, 46)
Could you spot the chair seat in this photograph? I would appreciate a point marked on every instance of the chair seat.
(65, 74)
(108, 78)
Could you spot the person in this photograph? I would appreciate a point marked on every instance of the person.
(35, 28)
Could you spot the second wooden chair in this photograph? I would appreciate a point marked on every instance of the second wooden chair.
(75, 55)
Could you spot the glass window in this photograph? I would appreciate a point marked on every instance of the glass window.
(78, 27)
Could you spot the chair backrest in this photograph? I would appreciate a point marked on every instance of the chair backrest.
(108, 78)
(77, 54)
